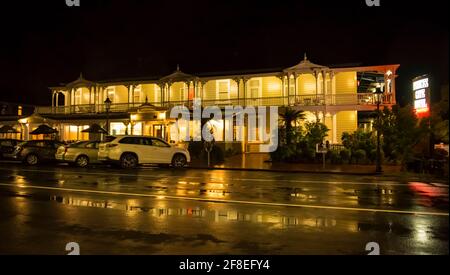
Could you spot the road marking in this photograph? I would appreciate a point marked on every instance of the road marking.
(229, 201)
(390, 183)
(97, 173)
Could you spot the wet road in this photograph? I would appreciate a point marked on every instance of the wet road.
(164, 211)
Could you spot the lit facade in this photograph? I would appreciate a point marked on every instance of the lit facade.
(334, 96)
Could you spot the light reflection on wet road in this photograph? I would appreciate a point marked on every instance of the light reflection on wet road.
(158, 219)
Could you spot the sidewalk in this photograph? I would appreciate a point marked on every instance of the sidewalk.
(258, 162)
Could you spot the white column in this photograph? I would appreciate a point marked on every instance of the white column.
(288, 92)
(203, 90)
(333, 87)
(66, 98)
(295, 87)
(393, 90)
(72, 101)
(131, 93)
(334, 119)
(188, 85)
(316, 75)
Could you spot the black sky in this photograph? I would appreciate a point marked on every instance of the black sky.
(45, 43)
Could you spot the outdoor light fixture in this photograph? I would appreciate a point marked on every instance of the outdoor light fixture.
(108, 104)
(378, 97)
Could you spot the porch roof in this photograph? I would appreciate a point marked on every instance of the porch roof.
(306, 66)
(178, 76)
(80, 82)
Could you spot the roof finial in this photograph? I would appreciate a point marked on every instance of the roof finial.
(81, 75)
(305, 57)
(146, 100)
(178, 67)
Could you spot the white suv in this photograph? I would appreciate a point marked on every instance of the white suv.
(130, 151)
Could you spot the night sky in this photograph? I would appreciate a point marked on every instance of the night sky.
(45, 43)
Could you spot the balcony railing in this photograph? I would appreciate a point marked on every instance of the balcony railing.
(300, 100)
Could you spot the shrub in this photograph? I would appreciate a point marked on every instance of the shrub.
(195, 149)
(335, 157)
(345, 155)
(359, 155)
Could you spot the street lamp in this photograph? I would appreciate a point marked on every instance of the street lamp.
(107, 107)
(378, 97)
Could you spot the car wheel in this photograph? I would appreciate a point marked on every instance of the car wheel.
(179, 161)
(32, 159)
(82, 161)
(128, 161)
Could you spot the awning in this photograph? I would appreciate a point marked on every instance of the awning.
(44, 130)
(95, 129)
(8, 130)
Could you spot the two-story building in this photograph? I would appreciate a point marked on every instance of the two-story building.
(333, 95)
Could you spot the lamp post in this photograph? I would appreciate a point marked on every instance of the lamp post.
(107, 107)
(378, 97)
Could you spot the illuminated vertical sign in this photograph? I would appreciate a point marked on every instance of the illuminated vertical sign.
(421, 96)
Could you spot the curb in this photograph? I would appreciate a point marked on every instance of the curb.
(285, 171)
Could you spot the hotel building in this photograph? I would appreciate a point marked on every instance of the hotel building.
(336, 96)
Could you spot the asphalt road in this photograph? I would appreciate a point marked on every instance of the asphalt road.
(163, 211)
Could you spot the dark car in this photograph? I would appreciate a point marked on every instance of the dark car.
(34, 152)
(7, 147)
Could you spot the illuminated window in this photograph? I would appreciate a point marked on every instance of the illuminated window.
(78, 94)
(137, 129)
(291, 85)
(118, 128)
(223, 89)
(255, 88)
(183, 92)
(157, 97)
(111, 92)
(137, 94)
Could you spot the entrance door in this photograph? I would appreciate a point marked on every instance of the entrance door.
(158, 131)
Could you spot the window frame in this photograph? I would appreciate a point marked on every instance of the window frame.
(78, 96)
(111, 90)
(137, 90)
(249, 87)
(218, 93)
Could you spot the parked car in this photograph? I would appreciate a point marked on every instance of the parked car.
(34, 152)
(7, 147)
(79, 153)
(131, 151)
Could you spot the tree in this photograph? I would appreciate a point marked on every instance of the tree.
(289, 117)
(315, 132)
(401, 132)
(439, 117)
(359, 140)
